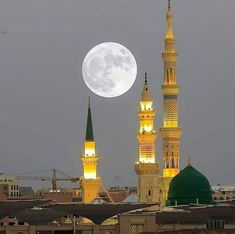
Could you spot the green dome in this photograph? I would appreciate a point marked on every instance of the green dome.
(189, 186)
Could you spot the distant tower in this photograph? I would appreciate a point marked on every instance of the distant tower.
(147, 168)
(170, 131)
(90, 182)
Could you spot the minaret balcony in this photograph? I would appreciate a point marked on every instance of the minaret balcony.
(146, 114)
(147, 168)
(172, 133)
(147, 137)
(170, 172)
(167, 53)
(90, 159)
(170, 89)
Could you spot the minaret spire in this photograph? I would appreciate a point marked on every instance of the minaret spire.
(169, 19)
(146, 94)
(170, 130)
(169, 5)
(89, 127)
(89, 101)
(145, 78)
(189, 161)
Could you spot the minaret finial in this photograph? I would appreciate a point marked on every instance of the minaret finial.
(169, 5)
(145, 78)
(89, 128)
(189, 161)
(169, 18)
(89, 101)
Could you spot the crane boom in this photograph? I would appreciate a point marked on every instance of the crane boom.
(44, 178)
(53, 179)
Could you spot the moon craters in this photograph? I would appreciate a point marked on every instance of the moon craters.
(109, 69)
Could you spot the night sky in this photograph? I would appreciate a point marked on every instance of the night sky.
(43, 98)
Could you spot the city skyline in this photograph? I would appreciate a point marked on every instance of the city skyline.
(43, 98)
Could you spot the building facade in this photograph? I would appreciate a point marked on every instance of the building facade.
(223, 192)
(9, 186)
(60, 195)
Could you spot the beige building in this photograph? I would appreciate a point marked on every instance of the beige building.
(223, 192)
(61, 195)
(9, 186)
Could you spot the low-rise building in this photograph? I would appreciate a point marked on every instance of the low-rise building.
(118, 194)
(61, 195)
(26, 192)
(9, 186)
(223, 192)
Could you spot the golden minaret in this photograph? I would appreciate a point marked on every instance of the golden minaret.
(170, 131)
(90, 182)
(147, 168)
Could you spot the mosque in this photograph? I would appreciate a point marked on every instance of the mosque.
(169, 185)
(184, 196)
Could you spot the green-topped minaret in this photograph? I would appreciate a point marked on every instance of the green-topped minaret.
(90, 182)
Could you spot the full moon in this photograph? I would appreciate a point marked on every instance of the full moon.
(109, 69)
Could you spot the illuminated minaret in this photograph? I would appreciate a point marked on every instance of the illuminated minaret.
(90, 182)
(170, 131)
(147, 168)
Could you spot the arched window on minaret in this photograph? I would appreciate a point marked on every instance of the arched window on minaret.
(171, 75)
(167, 164)
(167, 76)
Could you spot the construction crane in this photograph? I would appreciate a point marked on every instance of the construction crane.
(54, 178)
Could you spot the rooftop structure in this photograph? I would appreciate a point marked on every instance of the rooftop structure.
(9, 186)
